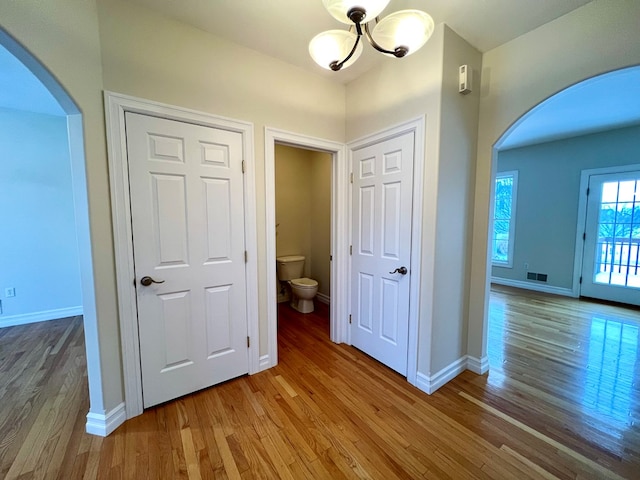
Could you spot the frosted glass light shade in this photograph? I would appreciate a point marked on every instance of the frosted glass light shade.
(405, 28)
(334, 46)
(339, 8)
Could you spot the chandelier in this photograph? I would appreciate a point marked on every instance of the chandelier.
(398, 34)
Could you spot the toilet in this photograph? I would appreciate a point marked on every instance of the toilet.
(303, 290)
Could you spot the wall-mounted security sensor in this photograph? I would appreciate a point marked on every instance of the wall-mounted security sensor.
(464, 79)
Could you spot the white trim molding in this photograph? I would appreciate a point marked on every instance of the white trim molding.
(116, 105)
(417, 127)
(103, 424)
(430, 384)
(538, 287)
(44, 316)
(339, 231)
(478, 365)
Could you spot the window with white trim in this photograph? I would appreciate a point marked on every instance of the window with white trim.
(504, 220)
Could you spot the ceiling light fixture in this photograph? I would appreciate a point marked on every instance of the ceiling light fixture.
(398, 34)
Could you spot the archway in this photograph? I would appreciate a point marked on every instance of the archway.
(81, 209)
(587, 111)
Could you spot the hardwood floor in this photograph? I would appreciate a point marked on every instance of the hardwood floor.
(563, 404)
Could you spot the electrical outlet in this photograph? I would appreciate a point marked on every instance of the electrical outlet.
(526, 266)
(10, 292)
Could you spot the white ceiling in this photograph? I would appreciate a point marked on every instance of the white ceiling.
(283, 28)
(601, 103)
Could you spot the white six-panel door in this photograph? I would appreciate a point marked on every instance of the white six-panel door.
(382, 203)
(188, 235)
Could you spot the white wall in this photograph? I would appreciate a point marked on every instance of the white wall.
(599, 37)
(38, 246)
(548, 198)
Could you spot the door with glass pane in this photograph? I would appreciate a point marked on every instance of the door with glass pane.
(611, 261)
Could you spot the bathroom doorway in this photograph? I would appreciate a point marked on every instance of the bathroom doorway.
(335, 194)
(303, 217)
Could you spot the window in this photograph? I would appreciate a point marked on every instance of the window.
(504, 219)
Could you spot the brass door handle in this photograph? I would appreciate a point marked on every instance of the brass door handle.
(401, 271)
(146, 281)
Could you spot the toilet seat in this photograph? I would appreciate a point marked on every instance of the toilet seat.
(304, 282)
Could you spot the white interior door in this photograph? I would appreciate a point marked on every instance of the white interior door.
(611, 261)
(381, 250)
(188, 236)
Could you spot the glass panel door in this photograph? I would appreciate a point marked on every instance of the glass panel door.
(611, 262)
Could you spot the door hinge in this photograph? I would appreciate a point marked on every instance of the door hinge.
(350, 249)
(248, 342)
(349, 319)
(351, 177)
(246, 257)
(588, 190)
(243, 166)
(331, 258)
(584, 236)
(580, 282)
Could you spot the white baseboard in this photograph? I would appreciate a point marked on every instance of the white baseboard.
(430, 384)
(103, 424)
(538, 287)
(14, 320)
(478, 365)
(326, 299)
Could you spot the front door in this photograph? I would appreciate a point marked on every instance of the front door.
(611, 261)
(188, 234)
(381, 250)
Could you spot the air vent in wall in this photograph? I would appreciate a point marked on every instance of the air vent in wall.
(538, 277)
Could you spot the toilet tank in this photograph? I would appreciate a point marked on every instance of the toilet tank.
(290, 267)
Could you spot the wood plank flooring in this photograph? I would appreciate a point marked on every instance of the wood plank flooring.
(563, 404)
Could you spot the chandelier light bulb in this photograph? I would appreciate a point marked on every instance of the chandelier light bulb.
(405, 28)
(333, 46)
(339, 9)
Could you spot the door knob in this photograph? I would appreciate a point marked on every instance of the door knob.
(146, 281)
(401, 271)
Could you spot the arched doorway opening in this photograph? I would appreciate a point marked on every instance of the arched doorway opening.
(81, 211)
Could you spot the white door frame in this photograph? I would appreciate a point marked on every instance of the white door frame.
(115, 107)
(417, 127)
(582, 216)
(339, 234)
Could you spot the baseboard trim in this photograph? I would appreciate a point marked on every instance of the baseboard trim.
(538, 287)
(265, 363)
(103, 424)
(14, 320)
(326, 299)
(430, 384)
(478, 365)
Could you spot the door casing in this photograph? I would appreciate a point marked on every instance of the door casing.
(115, 107)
